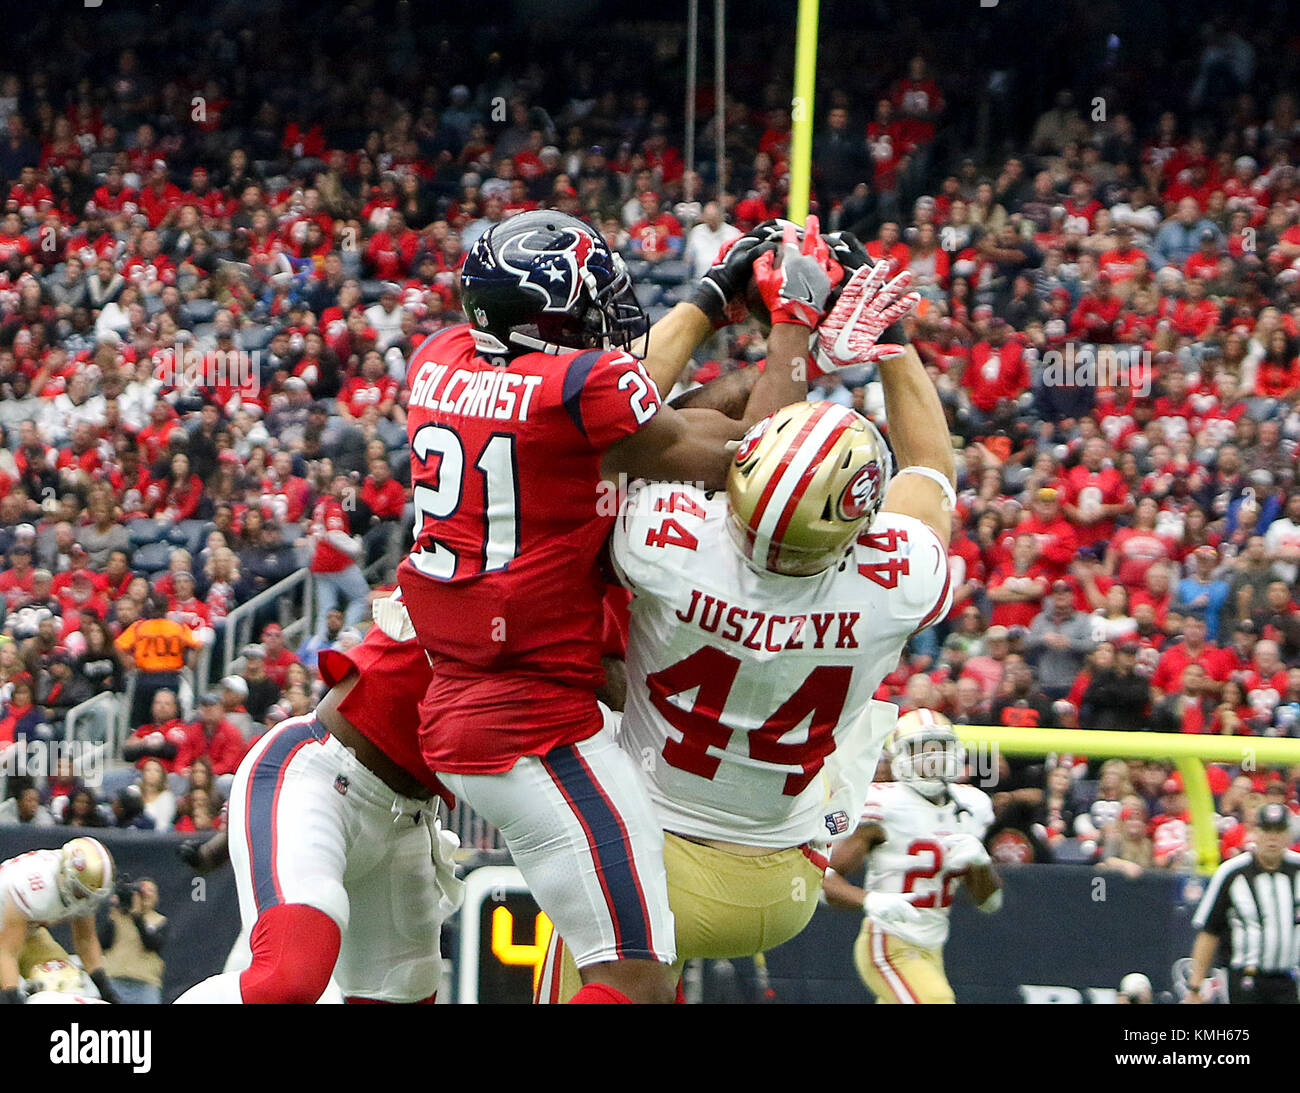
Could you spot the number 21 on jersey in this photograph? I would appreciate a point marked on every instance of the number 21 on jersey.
(496, 465)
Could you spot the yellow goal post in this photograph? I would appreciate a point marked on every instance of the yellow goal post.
(1189, 753)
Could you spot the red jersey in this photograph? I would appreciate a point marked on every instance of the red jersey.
(1018, 612)
(1136, 551)
(1169, 671)
(503, 583)
(277, 667)
(328, 519)
(1087, 491)
(359, 392)
(387, 501)
(188, 743)
(995, 374)
(383, 704)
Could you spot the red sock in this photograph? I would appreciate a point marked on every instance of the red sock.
(680, 1000)
(294, 948)
(599, 994)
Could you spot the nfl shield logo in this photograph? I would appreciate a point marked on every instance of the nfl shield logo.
(341, 784)
(837, 822)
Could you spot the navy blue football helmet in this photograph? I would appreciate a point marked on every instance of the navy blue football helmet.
(546, 281)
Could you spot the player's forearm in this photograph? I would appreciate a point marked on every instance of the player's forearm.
(1203, 950)
(918, 429)
(841, 893)
(981, 882)
(727, 394)
(9, 977)
(671, 342)
(785, 376)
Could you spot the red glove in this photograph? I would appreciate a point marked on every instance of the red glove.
(795, 279)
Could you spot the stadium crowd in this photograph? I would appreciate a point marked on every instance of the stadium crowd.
(207, 299)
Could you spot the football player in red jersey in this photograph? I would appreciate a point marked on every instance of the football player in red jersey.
(343, 872)
(515, 420)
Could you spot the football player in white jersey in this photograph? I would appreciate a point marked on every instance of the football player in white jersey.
(763, 619)
(43, 887)
(921, 835)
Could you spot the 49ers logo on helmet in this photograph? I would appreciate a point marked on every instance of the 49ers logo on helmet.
(749, 442)
(861, 493)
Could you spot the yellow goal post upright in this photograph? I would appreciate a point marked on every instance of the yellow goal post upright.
(1189, 753)
(801, 111)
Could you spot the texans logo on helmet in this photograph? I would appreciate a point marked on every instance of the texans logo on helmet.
(861, 492)
(559, 280)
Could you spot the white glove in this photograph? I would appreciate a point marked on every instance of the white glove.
(392, 618)
(963, 851)
(867, 306)
(889, 908)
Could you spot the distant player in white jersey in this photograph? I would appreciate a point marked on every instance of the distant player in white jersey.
(921, 836)
(762, 622)
(44, 887)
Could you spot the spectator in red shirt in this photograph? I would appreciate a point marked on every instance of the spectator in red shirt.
(374, 387)
(1056, 539)
(177, 498)
(1190, 708)
(657, 235)
(16, 581)
(1278, 374)
(1016, 588)
(1135, 549)
(1095, 494)
(219, 741)
(391, 252)
(1193, 649)
(385, 497)
(278, 657)
(996, 373)
(165, 737)
(889, 247)
(334, 554)
(1096, 317)
(284, 494)
(919, 102)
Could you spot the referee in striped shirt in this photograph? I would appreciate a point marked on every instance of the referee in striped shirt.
(1253, 903)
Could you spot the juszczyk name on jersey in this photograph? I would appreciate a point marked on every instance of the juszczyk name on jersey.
(491, 393)
(43, 758)
(758, 630)
(103, 1046)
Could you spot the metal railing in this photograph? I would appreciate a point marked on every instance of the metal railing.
(112, 705)
(239, 622)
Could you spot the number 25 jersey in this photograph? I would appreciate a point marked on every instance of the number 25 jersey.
(740, 683)
(502, 584)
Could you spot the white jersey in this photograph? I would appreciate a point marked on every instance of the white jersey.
(911, 857)
(740, 683)
(31, 882)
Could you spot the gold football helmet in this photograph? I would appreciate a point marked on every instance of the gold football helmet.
(56, 976)
(804, 483)
(86, 870)
(923, 751)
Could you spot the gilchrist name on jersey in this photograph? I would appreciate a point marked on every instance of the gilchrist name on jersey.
(733, 714)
